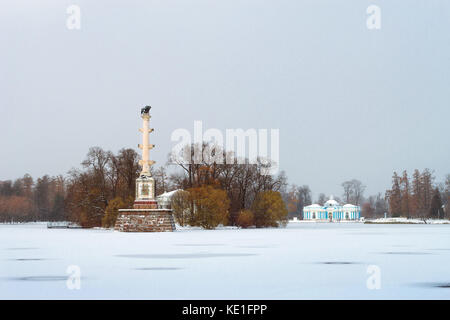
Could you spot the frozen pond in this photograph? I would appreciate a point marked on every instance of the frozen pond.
(302, 261)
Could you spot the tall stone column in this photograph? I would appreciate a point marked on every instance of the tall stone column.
(145, 184)
(146, 146)
(145, 215)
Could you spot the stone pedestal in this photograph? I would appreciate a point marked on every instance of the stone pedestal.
(145, 215)
(145, 204)
(145, 188)
(145, 220)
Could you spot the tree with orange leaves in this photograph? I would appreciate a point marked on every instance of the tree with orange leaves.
(210, 206)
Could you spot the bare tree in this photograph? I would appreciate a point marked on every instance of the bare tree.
(348, 186)
(353, 191)
(322, 199)
(161, 180)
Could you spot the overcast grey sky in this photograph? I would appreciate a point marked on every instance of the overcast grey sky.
(349, 102)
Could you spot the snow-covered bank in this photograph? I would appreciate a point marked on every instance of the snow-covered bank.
(402, 220)
(301, 261)
(24, 223)
(320, 221)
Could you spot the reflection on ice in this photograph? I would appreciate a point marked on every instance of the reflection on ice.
(442, 285)
(339, 262)
(28, 259)
(406, 253)
(158, 268)
(185, 255)
(40, 278)
(255, 247)
(198, 244)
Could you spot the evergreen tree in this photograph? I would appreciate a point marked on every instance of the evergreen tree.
(427, 190)
(416, 195)
(57, 211)
(436, 211)
(42, 198)
(405, 195)
(394, 196)
(447, 196)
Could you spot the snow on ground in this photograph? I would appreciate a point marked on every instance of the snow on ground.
(302, 261)
(409, 221)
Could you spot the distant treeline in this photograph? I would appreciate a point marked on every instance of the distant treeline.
(29, 200)
(228, 194)
(92, 194)
(419, 196)
(416, 197)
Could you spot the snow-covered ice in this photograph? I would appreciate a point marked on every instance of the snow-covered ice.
(302, 261)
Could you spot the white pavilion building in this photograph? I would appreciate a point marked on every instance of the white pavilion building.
(332, 211)
(165, 199)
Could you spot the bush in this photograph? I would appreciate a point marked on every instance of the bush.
(269, 210)
(181, 207)
(245, 219)
(112, 211)
(210, 206)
